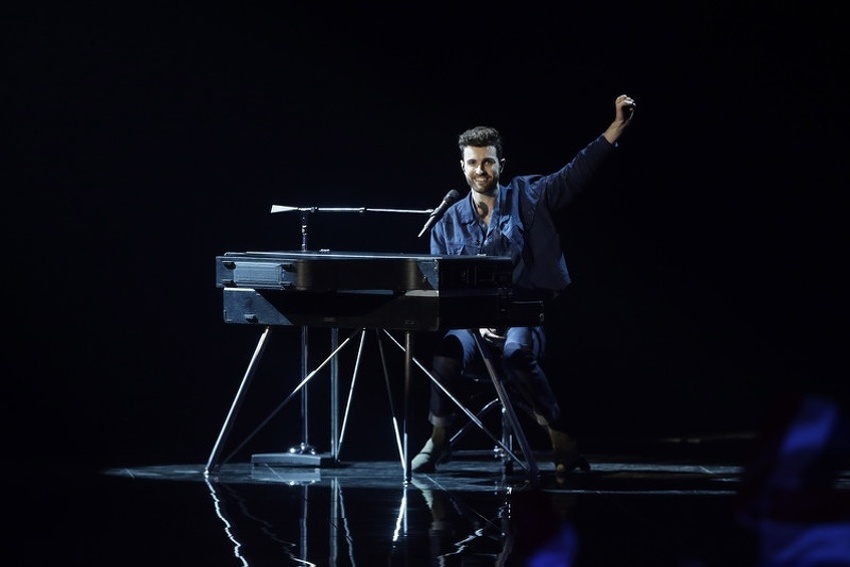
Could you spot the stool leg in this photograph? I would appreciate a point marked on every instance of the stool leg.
(508, 407)
(507, 441)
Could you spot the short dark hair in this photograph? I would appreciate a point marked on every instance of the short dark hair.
(481, 137)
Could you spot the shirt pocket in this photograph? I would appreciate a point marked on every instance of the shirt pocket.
(463, 248)
(471, 249)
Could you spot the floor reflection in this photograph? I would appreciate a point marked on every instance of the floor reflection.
(468, 514)
(302, 516)
(680, 512)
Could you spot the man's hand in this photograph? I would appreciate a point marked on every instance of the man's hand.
(624, 107)
(624, 110)
(493, 336)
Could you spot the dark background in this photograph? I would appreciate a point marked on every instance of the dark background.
(143, 142)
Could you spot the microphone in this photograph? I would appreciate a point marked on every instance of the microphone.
(435, 215)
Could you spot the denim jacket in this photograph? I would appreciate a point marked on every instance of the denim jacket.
(521, 224)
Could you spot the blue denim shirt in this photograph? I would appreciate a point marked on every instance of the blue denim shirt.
(521, 225)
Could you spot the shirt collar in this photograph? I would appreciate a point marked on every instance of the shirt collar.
(467, 213)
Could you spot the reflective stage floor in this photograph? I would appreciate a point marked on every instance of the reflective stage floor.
(683, 504)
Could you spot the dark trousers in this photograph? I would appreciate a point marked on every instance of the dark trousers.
(457, 358)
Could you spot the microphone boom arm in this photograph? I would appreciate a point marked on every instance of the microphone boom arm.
(284, 209)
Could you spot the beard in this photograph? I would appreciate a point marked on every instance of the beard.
(486, 186)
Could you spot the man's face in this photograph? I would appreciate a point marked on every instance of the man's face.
(481, 167)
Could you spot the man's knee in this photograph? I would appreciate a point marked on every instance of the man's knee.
(518, 356)
(446, 368)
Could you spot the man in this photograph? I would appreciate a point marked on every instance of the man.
(513, 220)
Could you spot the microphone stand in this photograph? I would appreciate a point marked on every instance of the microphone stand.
(304, 453)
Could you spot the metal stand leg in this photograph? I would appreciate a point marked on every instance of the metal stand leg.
(408, 358)
(507, 439)
(515, 427)
(212, 463)
(466, 427)
(341, 435)
(337, 433)
(393, 412)
(529, 462)
(304, 448)
(507, 436)
(311, 459)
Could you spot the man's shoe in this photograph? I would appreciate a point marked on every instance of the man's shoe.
(430, 456)
(568, 461)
